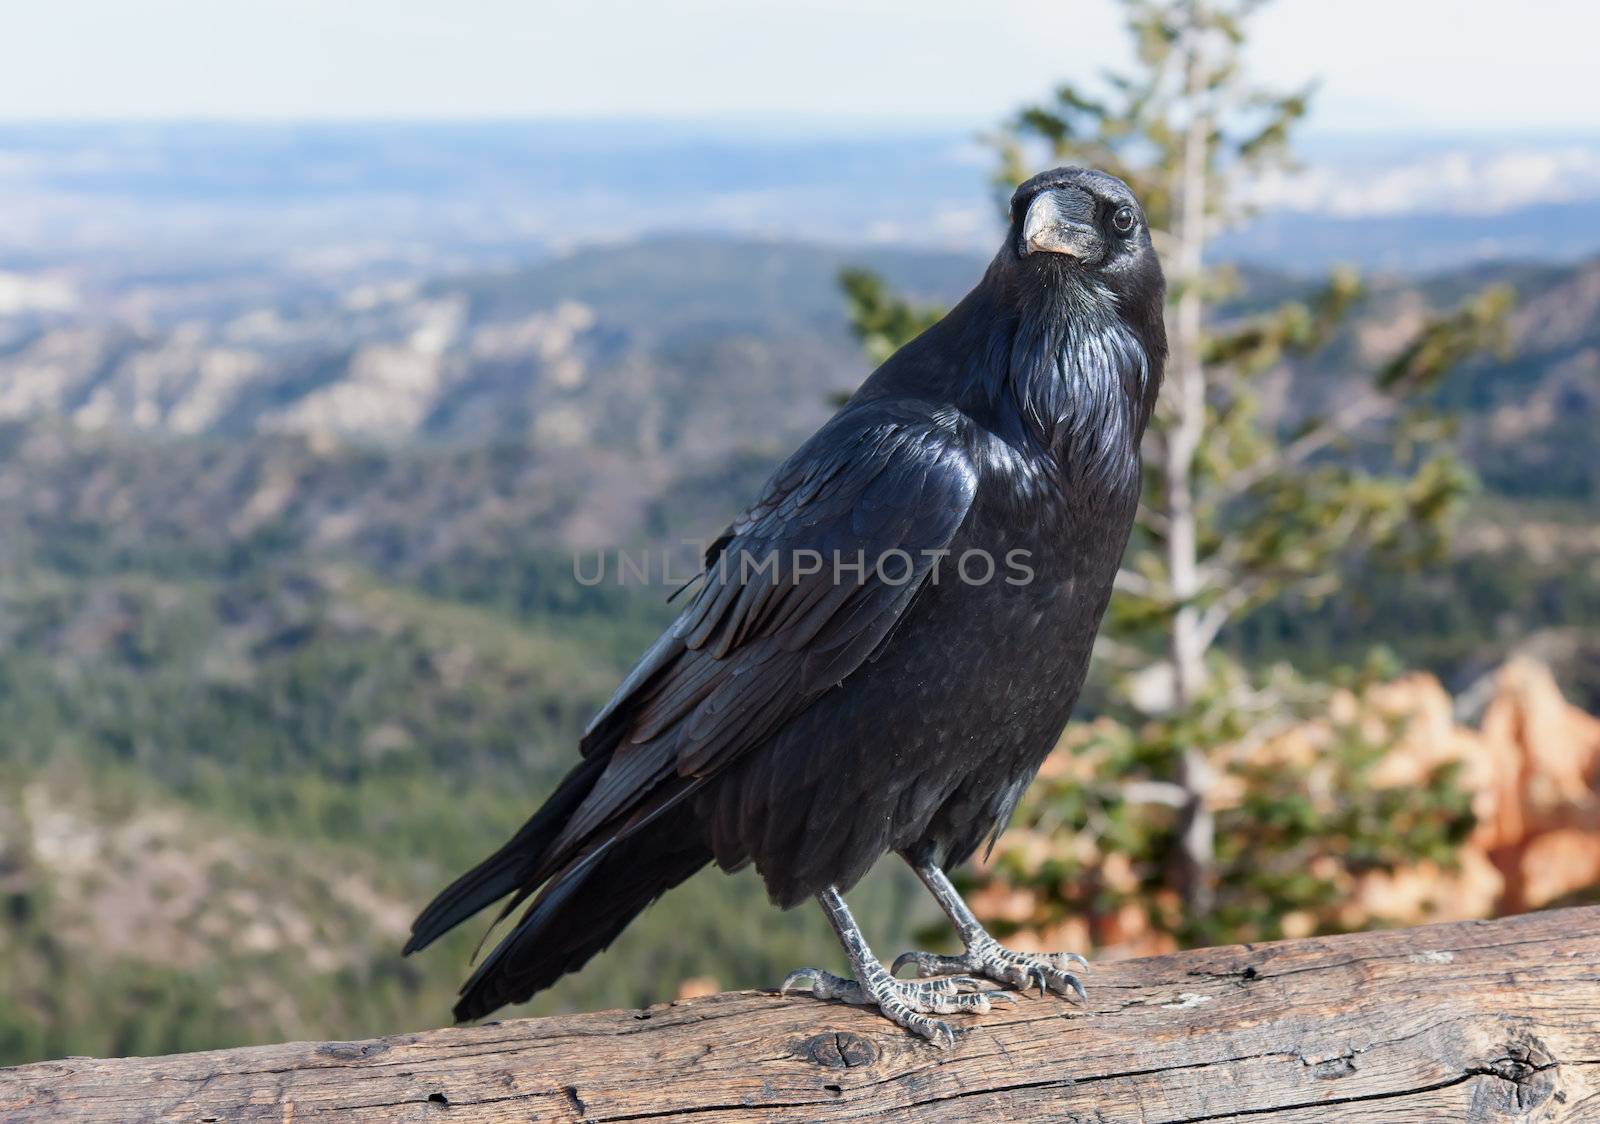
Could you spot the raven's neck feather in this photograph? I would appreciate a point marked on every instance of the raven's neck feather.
(1062, 372)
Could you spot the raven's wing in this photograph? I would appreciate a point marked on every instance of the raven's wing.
(883, 484)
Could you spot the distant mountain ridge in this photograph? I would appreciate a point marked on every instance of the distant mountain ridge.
(399, 199)
(609, 346)
(1411, 244)
(690, 350)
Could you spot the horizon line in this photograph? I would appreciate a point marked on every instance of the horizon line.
(842, 124)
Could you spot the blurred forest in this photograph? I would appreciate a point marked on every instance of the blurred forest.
(289, 631)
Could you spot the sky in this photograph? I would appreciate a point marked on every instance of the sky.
(1443, 66)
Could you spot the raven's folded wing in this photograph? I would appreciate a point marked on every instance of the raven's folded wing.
(797, 594)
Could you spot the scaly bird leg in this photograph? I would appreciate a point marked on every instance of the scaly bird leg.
(985, 956)
(905, 1002)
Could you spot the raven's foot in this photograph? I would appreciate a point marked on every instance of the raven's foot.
(987, 957)
(905, 1002)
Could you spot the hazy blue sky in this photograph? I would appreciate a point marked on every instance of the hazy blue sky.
(1455, 65)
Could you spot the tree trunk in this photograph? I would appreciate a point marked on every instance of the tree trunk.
(1188, 402)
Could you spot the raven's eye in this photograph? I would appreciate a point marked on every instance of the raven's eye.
(1123, 220)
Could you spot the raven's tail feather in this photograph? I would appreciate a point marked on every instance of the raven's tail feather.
(511, 867)
(581, 909)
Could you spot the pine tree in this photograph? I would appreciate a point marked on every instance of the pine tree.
(1240, 507)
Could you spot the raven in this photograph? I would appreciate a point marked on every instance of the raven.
(884, 647)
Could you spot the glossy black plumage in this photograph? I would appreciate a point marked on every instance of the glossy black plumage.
(809, 723)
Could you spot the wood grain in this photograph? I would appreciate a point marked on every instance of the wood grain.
(1476, 1022)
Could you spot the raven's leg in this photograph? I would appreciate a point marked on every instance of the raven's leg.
(985, 956)
(905, 1002)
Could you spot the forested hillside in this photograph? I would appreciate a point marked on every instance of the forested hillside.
(289, 631)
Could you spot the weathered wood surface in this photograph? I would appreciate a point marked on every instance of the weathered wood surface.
(1481, 1021)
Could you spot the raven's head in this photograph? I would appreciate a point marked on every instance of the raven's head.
(1066, 330)
(1083, 228)
(1063, 340)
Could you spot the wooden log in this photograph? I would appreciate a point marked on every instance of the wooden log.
(1475, 1021)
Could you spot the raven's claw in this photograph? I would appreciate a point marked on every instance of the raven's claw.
(906, 1002)
(986, 957)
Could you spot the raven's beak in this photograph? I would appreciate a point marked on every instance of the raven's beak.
(1060, 220)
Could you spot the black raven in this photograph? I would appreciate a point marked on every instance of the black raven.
(883, 647)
